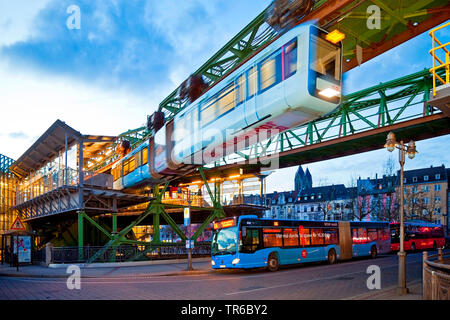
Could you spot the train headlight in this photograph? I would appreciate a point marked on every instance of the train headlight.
(213, 263)
(235, 261)
(329, 92)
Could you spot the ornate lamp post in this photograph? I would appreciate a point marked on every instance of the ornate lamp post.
(410, 150)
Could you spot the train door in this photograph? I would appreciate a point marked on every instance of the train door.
(270, 97)
(251, 76)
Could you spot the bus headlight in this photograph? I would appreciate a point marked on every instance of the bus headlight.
(329, 92)
(213, 263)
(235, 261)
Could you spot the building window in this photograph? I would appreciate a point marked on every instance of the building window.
(437, 176)
(425, 178)
(414, 179)
(425, 188)
(437, 187)
(426, 200)
(437, 199)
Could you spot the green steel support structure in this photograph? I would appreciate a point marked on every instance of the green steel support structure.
(380, 106)
(156, 208)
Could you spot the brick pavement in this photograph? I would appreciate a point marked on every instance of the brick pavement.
(346, 280)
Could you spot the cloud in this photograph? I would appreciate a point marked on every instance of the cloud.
(114, 46)
(17, 135)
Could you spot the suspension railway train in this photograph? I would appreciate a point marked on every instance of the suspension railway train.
(289, 82)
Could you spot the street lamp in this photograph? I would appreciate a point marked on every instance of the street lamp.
(410, 150)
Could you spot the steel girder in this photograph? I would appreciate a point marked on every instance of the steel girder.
(380, 106)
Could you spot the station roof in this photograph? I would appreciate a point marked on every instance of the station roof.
(52, 142)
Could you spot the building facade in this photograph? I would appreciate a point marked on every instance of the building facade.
(8, 183)
(426, 194)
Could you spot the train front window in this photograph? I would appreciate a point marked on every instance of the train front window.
(224, 241)
(325, 59)
(324, 67)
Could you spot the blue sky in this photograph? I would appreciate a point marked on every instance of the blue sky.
(129, 55)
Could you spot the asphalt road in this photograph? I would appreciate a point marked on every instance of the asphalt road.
(343, 280)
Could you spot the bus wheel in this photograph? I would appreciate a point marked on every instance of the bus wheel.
(273, 263)
(332, 256)
(413, 247)
(373, 252)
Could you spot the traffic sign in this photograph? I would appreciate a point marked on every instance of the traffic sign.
(18, 225)
(187, 216)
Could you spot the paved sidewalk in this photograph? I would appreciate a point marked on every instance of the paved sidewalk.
(415, 293)
(200, 266)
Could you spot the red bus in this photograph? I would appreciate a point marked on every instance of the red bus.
(418, 236)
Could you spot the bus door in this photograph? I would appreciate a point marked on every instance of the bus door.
(345, 240)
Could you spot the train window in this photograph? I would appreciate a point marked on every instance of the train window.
(144, 155)
(325, 58)
(268, 72)
(126, 167)
(132, 163)
(240, 88)
(208, 112)
(226, 100)
(115, 173)
(290, 58)
(251, 80)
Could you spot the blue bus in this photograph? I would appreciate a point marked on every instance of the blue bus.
(251, 242)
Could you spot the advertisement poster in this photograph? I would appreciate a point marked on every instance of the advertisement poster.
(23, 243)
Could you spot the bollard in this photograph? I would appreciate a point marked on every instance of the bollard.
(424, 276)
(440, 259)
(434, 286)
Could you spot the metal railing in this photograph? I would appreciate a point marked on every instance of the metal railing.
(40, 185)
(127, 253)
(441, 64)
(436, 276)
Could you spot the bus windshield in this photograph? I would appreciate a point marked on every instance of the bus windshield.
(224, 241)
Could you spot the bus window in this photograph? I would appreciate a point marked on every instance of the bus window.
(290, 237)
(272, 239)
(252, 76)
(305, 237)
(372, 234)
(290, 59)
(331, 237)
(317, 237)
(359, 235)
(268, 72)
(250, 240)
(240, 89)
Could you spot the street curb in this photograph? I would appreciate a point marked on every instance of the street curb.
(139, 275)
(124, 264)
